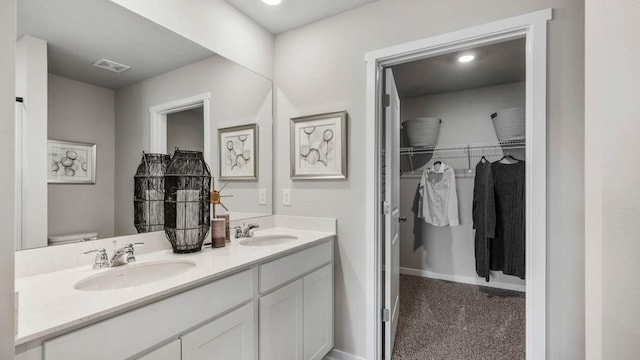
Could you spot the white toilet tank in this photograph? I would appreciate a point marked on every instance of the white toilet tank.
(72, 238)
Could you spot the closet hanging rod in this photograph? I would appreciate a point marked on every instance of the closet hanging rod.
(416, 150)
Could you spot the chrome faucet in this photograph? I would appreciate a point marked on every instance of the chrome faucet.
(120, 257)
(245, 231)
(124, 255)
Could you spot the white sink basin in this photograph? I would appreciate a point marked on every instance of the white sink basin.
(267, 240)
(134, 275)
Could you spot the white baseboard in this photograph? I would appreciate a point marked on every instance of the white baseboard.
(462, 279)
(340, 355)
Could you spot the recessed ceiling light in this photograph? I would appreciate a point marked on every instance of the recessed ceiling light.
(272, 2)
(466, 58)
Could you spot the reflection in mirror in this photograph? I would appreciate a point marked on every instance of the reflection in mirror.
(93, 72)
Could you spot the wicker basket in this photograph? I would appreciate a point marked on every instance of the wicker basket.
(509, 124)
(422, 131)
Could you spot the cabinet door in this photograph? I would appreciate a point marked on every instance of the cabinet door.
(318, 313)
(281, 323)
(171, 351)
(228, 337)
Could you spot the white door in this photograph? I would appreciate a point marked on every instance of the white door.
(281, 319)
(392, 212)
(229, 337)
(318, 313)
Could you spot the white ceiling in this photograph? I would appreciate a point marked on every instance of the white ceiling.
(494, 64)
(291, 14)
(80, 32)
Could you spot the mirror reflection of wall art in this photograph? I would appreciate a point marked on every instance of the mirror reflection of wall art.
(319, 146)
(71, 162)
(238, 156)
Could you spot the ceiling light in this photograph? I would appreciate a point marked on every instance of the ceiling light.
(111, 65)
(466, 58)
(272, 2)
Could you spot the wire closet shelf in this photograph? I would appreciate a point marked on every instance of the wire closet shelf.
(462, 157)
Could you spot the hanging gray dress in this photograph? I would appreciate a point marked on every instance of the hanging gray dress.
(508, 247)
(484, 216)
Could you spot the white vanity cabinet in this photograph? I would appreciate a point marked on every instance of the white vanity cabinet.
(278, 308)
(296, 305)
(231, 336)
(134, 332)
(281, 323)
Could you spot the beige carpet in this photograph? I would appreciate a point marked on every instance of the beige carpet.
(446, 320)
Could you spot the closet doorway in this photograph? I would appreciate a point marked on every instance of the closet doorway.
(437, 242)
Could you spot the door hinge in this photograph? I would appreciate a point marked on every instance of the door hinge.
(386, 207)
(386, 100)
(386, 315)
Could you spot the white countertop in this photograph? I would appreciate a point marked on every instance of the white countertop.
(50, 305)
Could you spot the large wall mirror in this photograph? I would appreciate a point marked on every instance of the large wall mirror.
(92, 72)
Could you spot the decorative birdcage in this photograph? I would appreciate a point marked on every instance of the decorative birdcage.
(148, 193)
(187, 201)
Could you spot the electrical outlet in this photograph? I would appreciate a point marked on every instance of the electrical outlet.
(286, 197)
(262, 196)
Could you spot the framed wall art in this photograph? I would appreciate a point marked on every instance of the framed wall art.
(238, 152)
(319, 146)
(71, 162)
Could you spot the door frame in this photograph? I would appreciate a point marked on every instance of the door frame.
(533, 27)
(158, 122)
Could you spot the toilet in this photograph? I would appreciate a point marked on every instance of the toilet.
(72, 238)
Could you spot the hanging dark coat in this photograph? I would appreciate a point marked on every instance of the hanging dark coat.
(508, 247)
(484, 216)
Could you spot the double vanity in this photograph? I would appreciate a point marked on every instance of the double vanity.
(269, 296)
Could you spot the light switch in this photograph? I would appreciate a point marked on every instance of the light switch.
(262, 196)
(286, 197)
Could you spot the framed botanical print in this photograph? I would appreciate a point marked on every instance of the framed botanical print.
(238, 152)
(71, 162)
(319, 146)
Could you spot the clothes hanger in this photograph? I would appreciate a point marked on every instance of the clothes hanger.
(508, 156)
(483, 159)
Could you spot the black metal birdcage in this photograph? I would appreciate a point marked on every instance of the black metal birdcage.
(187, 201)
(148, 193)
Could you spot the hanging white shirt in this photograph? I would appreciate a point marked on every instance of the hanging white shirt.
(438, 196)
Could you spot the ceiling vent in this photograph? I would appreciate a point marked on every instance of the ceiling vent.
(111, 65)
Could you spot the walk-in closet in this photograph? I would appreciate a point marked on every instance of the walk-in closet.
(462, 204)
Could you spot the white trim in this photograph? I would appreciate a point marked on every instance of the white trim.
(341, 355)
(462, 279)
(158, 122)
(534, 27)
(19, 150)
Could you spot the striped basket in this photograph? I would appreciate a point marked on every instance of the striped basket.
(422, 131)
(509, 124)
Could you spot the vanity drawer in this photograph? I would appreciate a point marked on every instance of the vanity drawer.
(293, 266)
(128, 334)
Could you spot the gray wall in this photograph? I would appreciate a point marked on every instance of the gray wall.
(449, 251)
(7, 96)
(320, 68)
(84, 113)
(185, 130)
(612, 192)
(238, 96)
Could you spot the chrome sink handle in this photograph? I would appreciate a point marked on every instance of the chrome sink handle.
(102, 260)
(249, 230)
(124, 255)
(245, 231)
